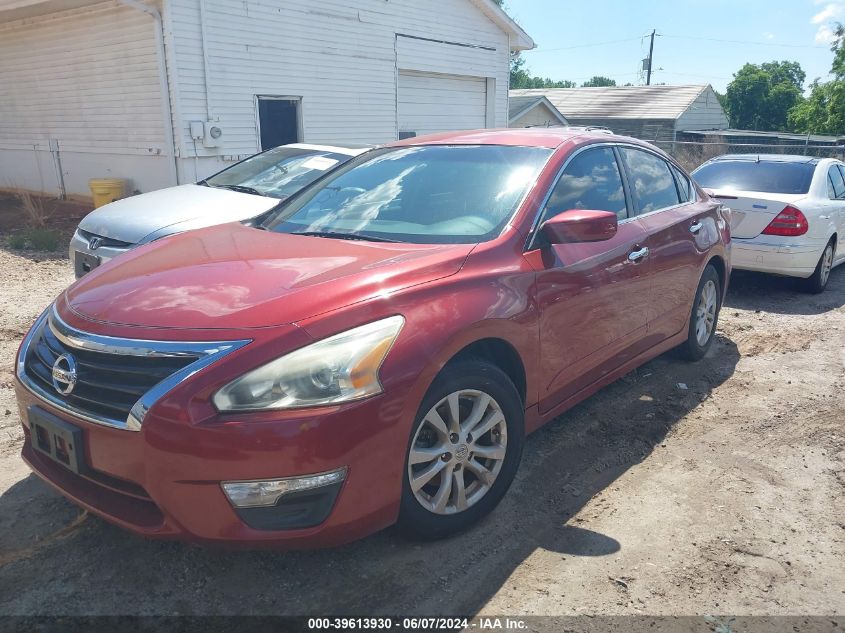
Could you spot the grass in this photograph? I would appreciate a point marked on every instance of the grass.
(35, 208)
(36, 213)
(37, 239)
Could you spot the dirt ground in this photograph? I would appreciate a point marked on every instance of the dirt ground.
(724, 497)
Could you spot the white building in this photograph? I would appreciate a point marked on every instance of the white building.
(169, 91)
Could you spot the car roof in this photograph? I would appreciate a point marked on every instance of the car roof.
(767, 158)
(548, 137)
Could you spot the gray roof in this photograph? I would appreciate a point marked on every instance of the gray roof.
(628, 102)
(790, 136)
(517, 106)
(770, 158)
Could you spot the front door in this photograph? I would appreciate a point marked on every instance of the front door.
(593, 297)
(278, 121)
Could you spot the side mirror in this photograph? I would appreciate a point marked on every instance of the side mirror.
(579, 225)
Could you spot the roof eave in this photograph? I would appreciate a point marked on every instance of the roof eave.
(520, 40)
(542, 100)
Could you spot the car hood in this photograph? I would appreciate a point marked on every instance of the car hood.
(233, 276)
(193, 206)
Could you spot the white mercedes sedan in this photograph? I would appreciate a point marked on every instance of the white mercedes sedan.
(788, 212)
(240, 192)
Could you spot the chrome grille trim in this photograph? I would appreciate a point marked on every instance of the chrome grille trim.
(207, 352)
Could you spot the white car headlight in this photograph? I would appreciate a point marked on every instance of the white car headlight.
(340, 368)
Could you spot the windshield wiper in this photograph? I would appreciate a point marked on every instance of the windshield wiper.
(238, 188)
(336, 235)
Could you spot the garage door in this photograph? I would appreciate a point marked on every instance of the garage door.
(430, 102)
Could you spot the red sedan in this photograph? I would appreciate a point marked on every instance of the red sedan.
(375, 349)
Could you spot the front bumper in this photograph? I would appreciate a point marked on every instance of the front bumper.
(797, 259)
(162, 477)
(165, 481)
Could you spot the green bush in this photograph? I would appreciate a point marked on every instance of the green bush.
(43, 239)
(17, 241)
(35, 239)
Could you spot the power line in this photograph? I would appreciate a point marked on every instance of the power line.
(752, 42)
(568, 48)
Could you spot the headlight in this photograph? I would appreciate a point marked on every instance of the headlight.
(340, 368)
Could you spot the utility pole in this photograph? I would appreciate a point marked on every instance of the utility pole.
(650, 58)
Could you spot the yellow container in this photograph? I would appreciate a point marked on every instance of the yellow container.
(105, 190)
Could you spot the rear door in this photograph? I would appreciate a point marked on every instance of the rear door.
(836, 193)
(592, 297)
(680, 230)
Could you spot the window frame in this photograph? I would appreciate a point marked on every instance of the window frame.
(679, 179)
(832, 186)
(533, 234)
(671, 167)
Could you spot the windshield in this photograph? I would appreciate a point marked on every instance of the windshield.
(765, 176)
(278, 173)
(423, 195)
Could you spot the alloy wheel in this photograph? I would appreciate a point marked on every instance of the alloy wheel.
(457, 452)
(826, 264)
(705, 312)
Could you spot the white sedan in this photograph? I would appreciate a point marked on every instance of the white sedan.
(788, 212)
(240, 192)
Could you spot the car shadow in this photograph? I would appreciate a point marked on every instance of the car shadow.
(55, 560)
(784, 295)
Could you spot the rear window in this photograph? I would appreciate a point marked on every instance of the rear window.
(764, 176)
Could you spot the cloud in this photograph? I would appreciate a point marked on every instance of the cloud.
(831, 11)
(768, 36)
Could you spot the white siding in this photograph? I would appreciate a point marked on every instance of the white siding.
(705, 113)
(87, 81)
(537, 116)
(341, 58)
(430, 102)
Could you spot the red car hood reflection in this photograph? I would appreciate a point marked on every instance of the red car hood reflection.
(232, 276)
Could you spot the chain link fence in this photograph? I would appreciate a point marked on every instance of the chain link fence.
(691, 154)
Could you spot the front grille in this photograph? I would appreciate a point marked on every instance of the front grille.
(109, 242)
(108, 384)
(115, 380)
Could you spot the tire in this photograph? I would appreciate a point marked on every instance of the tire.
(436, 446)
(817, 282)
(696, 345)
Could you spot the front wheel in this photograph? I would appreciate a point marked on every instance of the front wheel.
(817, 282)
(464, 450)
(704, 316)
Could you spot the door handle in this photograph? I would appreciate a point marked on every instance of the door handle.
(696, 227)
(636, 256)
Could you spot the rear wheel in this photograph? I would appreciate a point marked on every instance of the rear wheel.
(704, 316)
(817, 282)
(464, 450)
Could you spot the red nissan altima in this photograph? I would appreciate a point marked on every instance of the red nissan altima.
(376, 348)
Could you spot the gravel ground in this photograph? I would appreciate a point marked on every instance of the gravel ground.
(724, 497)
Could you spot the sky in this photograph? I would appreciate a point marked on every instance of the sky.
(699, 41)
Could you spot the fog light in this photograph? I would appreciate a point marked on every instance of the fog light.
(257, 494)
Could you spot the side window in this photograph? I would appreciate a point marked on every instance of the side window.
(652, 180)
(835, 184)
(591, 181)
(685, 190)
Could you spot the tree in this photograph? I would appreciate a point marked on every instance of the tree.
(521, 77)
(838, 48)
(599, 82)
(824, 111)
(761, 96)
